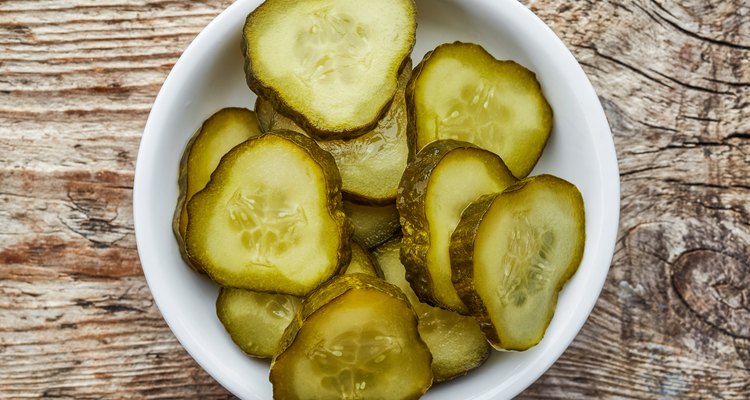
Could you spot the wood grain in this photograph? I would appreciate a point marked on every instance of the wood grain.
(77, 80)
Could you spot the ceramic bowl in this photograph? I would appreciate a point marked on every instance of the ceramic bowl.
(209, 76)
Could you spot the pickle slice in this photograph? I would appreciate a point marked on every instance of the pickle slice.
(459, 91)
(362, 262)
(513, 252)
(372, 225)
(456, 342)
(271, 217)
(218, 134)
(371, 165)
(256, 321)
(356, 338)
(331, 65)
(446, 176)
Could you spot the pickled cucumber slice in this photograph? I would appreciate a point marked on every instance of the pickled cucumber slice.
(372, 225)
(459, 91)
(331, 65)
(256, 321)
(356, 338)
(456, 342)
(371, 165)
(513, 252)
(446, 176)
(218, 134)
(362, 262)
(271, 218)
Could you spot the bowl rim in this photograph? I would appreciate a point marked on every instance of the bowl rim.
(591, 108)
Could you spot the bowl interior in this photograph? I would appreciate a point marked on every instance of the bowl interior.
(209, 76)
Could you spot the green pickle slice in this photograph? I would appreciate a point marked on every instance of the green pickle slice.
(446, 176)
(218, 134)
(271, 217)
(371, 165)
(356, 338)
(513, 252)
(256, 321)
(460, 91)
(456, 341)
(331, 65)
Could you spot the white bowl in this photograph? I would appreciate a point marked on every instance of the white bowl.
(209, 76)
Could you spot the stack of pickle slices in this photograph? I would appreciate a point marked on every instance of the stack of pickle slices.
(374, 227)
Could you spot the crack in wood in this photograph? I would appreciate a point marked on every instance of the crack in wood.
(694, 35)
(728, 83)
(707, 184)
(625, 65)
(690, 86)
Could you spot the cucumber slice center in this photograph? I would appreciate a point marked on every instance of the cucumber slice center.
(333, 47)
(475, 108)
(491, 117)
(266, 224)
(354, 350)
(526, 265)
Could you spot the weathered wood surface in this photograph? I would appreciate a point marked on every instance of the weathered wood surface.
(77, 80)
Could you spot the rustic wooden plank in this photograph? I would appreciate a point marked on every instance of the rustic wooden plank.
(76, 84)
(77, 81)
(81, 226)
(68, 338)
(672, 318)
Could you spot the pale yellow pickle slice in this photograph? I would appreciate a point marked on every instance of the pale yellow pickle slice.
(271, 218)
(362, 262)
(373, 225)
(460, 91)
(331, 65)
(356, 338)
(513, 252)
(256, 321)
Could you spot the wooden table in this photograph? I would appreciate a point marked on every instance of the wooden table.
(77, 80)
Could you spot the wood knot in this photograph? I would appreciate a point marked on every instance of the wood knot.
(716, 288)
